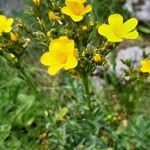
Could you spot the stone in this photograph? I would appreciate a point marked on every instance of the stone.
(135, 54)
(8, 7)
(139, 8)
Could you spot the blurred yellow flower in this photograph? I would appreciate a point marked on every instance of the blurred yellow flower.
(53, 16)
(145, 65)
(5, 24)
(76, 9)
(84, 28)
(36, 2)
(116, 31)
(97, 58)
(62, 54)
(14, 36)
(61, 114)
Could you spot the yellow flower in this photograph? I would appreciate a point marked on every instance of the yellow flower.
(53, 16)
(62, 54)
(5, 24)
(61, 114)
(84, 28)
(36, 2)
(145, 65)
(76, 9)
(116, 31)
(14, 36)
(97, 58)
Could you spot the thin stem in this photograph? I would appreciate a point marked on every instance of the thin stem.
(86, 88)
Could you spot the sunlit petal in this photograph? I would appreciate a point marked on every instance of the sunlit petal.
(116, 24)
(87, 9)
(105, 30)
(71, 63)
(48, 59)
(52, 70)
(130, 25)
(131, 35)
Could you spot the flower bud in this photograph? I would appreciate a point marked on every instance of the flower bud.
(14, 36)
(97, 58)
(53, 16)
(36, 2)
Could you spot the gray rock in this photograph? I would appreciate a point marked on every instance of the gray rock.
(139, 9)
(9, 6)
(135, 54)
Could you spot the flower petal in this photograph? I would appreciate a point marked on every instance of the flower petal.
(66, 11)
(2, 18)
(87, 9)
(130, 25)
(145, 65)
(116, 24)
(105, 30)
(131, 35)
(9, 23)
(48, 59)
(78, 1)
(76, 18)
(72, 62)
(52, 70)
(62, 44)
(71, 11)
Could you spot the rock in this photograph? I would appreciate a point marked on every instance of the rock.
(8, 7)
(135, 54)
(139, 9)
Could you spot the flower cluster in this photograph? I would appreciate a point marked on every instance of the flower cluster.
(63, 55)
(73, 46)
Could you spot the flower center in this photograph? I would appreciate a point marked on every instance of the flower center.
(62, 58)
(76, 8)
(118, 31)
(77, 11)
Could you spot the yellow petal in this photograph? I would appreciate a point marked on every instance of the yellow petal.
(131, 35)
(116, 24)
(143, 62)
(77, 1)
(2, 18)
(144, 69)
(105, 30)
(145, 65)
(66, 11)
(2, 23)
(48, 59)
(8, 29)
(76, 18)
(5, 24)
(64, 38)
(52, 70)
(70, 13)
(130, 25)
(10, 21)
(72, 62)
(61, 44)
(87, 9)
(115, 20)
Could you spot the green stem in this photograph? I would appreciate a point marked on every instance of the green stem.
(86, 88)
